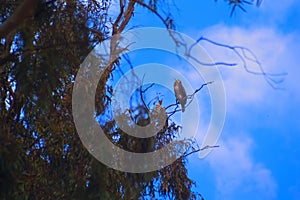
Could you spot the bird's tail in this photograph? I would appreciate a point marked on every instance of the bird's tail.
(182, 108)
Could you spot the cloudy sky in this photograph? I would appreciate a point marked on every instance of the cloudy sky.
(259, 144)
(257, 157)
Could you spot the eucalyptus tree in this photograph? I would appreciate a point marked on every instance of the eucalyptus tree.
(42, 46)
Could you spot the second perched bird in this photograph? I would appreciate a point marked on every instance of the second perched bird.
(180, 94)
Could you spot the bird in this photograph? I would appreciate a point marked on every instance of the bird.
(160, 111)
(180, 94)
(160, 116)
(158, 106)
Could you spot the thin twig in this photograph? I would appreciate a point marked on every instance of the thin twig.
(201, 149)
(241, 53)
(190, 97)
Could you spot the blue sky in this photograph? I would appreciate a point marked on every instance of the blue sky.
(259, 145)
(258, 153)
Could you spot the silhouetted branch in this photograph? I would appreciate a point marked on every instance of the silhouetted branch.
(242, 54)
(190, 97)
(201, 149)
(239, 51)
(240, 4)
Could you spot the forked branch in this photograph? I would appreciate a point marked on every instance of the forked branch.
(245, 55)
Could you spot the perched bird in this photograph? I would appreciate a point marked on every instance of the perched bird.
(180, 94)
(160, 116)
(158, 106)
(160, 111)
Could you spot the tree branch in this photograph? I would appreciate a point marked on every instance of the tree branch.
(191, 96)
(24, 11)
(201, 149)
(241, 53)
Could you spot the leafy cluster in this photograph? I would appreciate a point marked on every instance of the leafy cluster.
(41, 155)
(42, 44)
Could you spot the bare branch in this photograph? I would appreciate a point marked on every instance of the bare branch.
(201, 149)
(127, 15)
(190, 97)
(117, 21)
(241, 53)
(152, 10)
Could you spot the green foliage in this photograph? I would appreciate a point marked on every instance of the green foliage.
(41, 155)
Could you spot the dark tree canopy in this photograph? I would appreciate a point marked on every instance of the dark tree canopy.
(42, 46)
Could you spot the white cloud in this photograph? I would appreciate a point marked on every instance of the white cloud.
(275, 51)
(249, 95)
(238, 175)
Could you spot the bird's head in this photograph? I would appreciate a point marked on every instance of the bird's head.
(177, 81)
